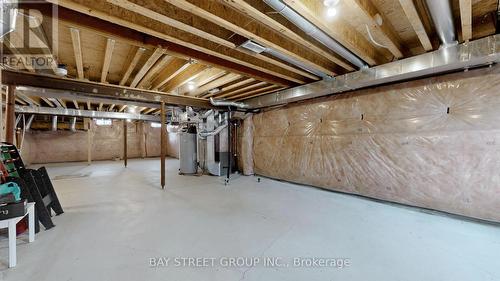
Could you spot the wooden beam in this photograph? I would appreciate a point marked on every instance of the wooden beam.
(341, 31)
(75, 103)
(163, 143)
(172, 22)
(100, 106)
(415, 21)
(206, 76)
(231, 87)
(466, 19)
(88, 90)
(111, 107)
(173, 69)
(158, 52)
(110, 45)
(385, 31)
(154, 71)
(250, 93)
(233, 20)
(10, 115)
(89, 105)
(214, 84)
(122, 108)
(143, 31)
(77, 50)
(131, 66)
(185, 76)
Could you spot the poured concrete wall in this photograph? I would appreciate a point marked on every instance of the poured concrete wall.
(432, 143)
(107, 143)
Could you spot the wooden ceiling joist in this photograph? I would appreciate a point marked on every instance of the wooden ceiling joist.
(175, 67)
(241, 90)
(259, 94)
(77, 50)
(412, 14)
(254, 9)
(232, 20)
(259, 90)
(154, 71)
(385, 31)
(227, 90)
(135, 60)
(185, 76)
(158, 52)
(466, 19)
(228, 78)
(169, 21)
(341, 31)
(176, 42)
(110, 46)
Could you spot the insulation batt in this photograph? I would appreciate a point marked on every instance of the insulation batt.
(432, 143)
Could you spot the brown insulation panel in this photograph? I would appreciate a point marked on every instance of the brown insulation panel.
(433, 143)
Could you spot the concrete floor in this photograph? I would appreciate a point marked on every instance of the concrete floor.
(116, 219)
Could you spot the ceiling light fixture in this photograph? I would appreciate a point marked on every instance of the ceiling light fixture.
(331, 12)
(191, 85)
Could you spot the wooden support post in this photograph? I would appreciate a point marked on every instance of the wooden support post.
(10, 115)
(125, 142)
(163, 144)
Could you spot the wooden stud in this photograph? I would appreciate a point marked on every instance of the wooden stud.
(415, 21)
(88, 123)
(110, 45)
(77, 50)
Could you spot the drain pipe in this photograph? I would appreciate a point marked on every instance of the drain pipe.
(315, 32)
(442, 17)
(228, 103)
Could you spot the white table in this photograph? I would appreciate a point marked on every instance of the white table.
(11, 224)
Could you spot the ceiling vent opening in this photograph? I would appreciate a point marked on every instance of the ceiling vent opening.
(252, 46)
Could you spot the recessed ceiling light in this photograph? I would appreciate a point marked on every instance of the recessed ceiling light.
(331, 12)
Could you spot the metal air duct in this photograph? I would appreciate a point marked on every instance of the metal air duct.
(476, 53)
(315, 32)
(442, 17)
(228, 103)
